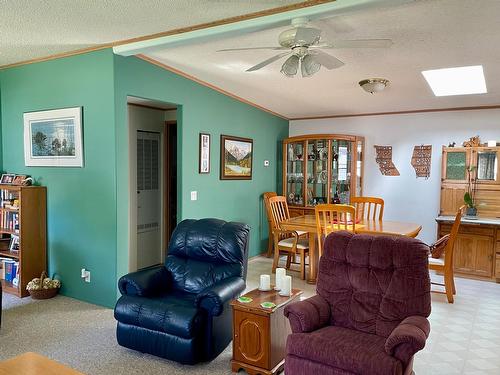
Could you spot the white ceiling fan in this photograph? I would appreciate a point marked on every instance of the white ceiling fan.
(304, 46)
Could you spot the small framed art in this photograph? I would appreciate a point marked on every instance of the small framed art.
(19, 179)
(204, 156)
(7, 178)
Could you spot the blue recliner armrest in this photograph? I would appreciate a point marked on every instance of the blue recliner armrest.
(212, 299)
(148, 282)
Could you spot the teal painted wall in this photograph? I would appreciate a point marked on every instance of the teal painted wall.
(81, 213)
(202, 110)
(88, 207)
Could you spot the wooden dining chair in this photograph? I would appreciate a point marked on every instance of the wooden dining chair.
(444, 264)
(368, 207)
(270, 241)
(285, 241)
(331, 218)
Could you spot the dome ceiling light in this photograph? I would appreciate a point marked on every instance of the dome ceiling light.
(373, 85)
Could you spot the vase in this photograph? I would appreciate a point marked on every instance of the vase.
(471, 211)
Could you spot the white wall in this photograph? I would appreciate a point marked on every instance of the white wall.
(406, 197)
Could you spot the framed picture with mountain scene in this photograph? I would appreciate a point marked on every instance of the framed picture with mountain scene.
(53, 138)
(236, 155)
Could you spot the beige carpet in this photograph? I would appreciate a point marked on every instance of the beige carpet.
(464, 335)
(82, 336)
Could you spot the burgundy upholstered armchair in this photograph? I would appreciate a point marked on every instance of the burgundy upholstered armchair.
(369, 314)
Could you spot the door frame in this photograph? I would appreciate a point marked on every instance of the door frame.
(167, 163)
(132, 131)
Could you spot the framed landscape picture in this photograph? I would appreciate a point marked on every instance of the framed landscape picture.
(235, 158)
(53, 138)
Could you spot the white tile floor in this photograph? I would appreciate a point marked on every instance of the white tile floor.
(465, 335)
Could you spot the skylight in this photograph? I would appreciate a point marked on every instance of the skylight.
(464, 80)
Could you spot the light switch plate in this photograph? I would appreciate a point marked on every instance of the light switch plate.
(194, 195)
(266, 163)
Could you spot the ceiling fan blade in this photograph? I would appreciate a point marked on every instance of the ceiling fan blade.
(328, 61)
(251, 48)
(333, 26)
(362, 43)
(268, 61)
(307, 35)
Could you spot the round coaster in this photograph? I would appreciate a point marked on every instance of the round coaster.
(245, 299)
(268, 305)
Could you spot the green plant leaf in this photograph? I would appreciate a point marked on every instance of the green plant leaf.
(468, 200)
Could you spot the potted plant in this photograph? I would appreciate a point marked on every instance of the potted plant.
(470, 194)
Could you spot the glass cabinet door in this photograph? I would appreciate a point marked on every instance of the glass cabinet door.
(455, 165)
(295, 173)
(487, 165)
(341, 151)
(317, 172)
(359, 168)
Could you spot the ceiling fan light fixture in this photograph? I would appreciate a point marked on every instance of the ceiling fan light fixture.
(309, 66)
(290, 66)
(373, 85)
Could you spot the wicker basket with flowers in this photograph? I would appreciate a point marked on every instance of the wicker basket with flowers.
(43, 287)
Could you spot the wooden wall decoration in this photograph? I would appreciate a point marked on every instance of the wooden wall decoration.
(384, 161)
(421, 160)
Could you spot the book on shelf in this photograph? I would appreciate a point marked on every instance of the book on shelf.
(9, 199)
(10, 221)
(11, 270)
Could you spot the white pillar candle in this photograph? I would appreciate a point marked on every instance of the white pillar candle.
(286, 286)
(492, 143)
(280, 274)
(265, 282)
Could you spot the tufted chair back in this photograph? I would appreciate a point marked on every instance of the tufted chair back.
(372, 283)
(204, 252)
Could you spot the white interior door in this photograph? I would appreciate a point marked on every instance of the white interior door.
(148, 199)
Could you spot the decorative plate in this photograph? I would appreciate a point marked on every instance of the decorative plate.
(245, 299)
(268, 305)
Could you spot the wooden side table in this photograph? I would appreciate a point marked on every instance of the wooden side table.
(259, 334)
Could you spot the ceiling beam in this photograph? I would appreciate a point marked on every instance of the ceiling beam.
(329, 9)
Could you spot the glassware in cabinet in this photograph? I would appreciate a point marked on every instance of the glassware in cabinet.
(295, 173)
(341, 151)
(317, 172)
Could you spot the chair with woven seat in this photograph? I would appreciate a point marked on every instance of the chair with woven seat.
(442, 261)
(331, 218)
(289, 242)
(368, 208)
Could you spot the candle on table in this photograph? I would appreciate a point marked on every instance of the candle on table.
(280, 274)
(265, 282)
(286, 286)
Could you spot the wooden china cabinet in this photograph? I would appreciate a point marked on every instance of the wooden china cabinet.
(477, 248)
(321, 168)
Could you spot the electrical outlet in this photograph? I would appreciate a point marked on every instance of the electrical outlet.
(85, 275)
(194, 195)
(266, 163)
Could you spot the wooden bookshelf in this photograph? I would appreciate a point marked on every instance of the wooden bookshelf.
(32, 232)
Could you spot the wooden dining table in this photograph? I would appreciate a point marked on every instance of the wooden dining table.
(307, 223)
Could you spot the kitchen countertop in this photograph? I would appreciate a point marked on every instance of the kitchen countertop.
(467, 220)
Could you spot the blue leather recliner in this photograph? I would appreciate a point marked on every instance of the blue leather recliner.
(180, 311)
